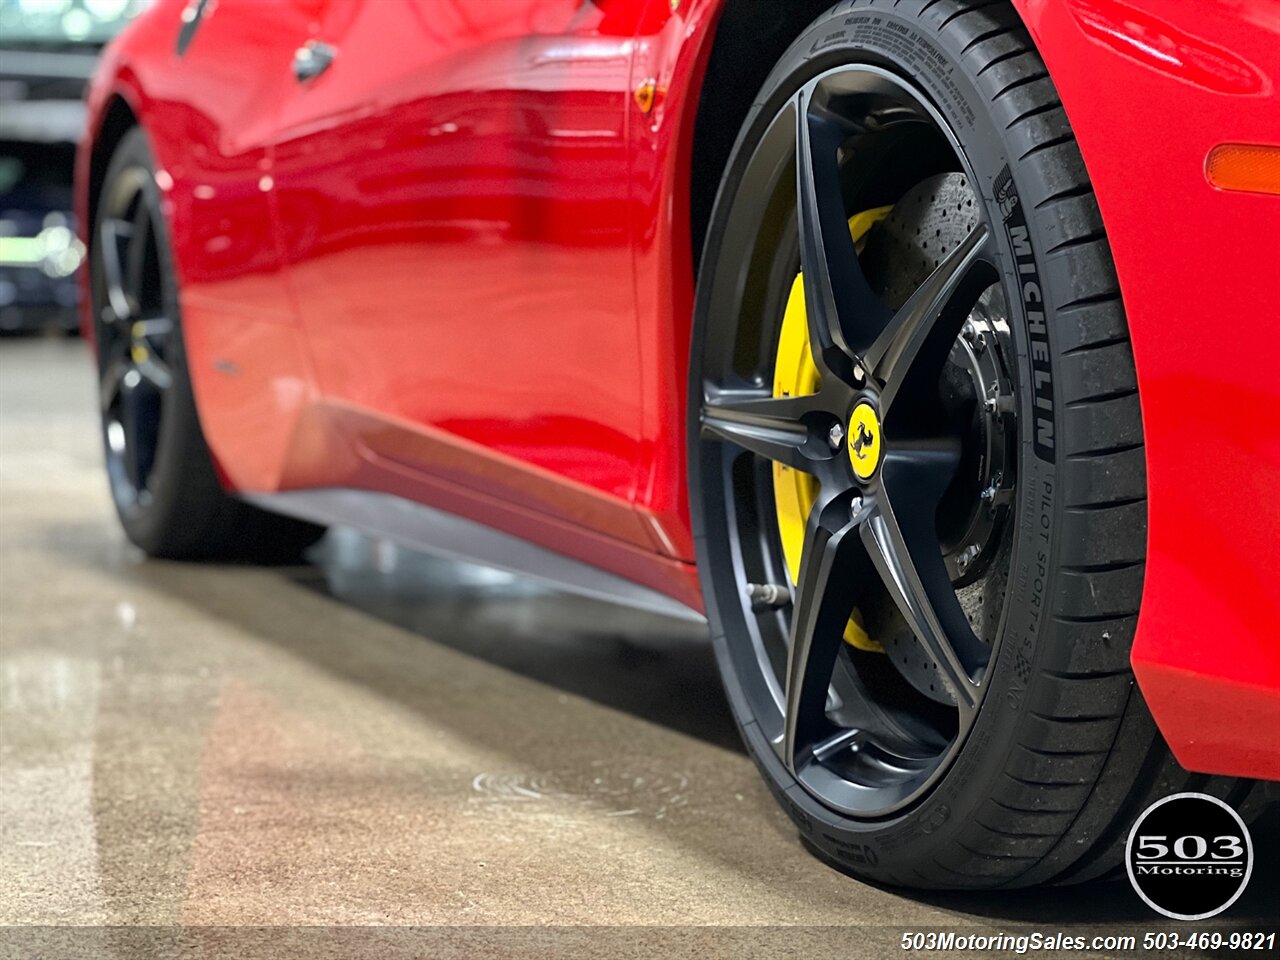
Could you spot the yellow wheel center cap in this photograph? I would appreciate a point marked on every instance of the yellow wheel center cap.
(864, 440)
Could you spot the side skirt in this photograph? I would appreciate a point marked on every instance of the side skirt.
(446, 535)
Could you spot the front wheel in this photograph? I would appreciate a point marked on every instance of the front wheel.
(917, 464)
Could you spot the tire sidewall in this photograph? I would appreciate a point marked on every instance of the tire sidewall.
(890, 850)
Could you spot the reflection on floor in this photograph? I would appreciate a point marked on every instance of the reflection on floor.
(378, 738)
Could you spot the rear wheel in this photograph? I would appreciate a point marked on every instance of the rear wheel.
(162, 477)
(916, 460)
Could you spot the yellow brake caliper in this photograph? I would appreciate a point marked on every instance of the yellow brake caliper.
(795, 375)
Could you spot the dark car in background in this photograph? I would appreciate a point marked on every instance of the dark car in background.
(48, 50)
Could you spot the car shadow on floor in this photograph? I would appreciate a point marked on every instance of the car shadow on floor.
(657, 668)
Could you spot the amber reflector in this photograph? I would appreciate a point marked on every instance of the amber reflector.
(1244, 166)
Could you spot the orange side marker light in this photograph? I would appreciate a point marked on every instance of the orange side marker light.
(647, 95)
(1247, 167)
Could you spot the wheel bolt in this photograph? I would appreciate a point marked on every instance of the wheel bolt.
(859, 375)
(835, 436)
(768, 594)
(855, 507)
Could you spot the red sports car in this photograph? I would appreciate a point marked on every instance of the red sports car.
(928, 348)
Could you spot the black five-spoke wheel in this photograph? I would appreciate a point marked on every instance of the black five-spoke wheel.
(134, 331)
(872, 526)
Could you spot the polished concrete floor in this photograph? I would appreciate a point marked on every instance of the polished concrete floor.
(379, 738)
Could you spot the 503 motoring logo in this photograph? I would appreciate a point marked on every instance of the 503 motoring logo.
(1189, 856)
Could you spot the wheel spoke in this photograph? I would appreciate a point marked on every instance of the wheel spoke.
(113, 321)
(112, 237)
(920, 335)
(136, 253)
(834, 564)
(152, 334)
(110, 382)
(772, 427)
(844, 314)
(155, 372)
(902, 541)
(153, 328)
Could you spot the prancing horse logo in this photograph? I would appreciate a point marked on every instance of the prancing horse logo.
(864, 439)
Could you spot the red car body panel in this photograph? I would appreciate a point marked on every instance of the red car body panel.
(457, 268)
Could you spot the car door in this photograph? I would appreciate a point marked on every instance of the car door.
(452, 195)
